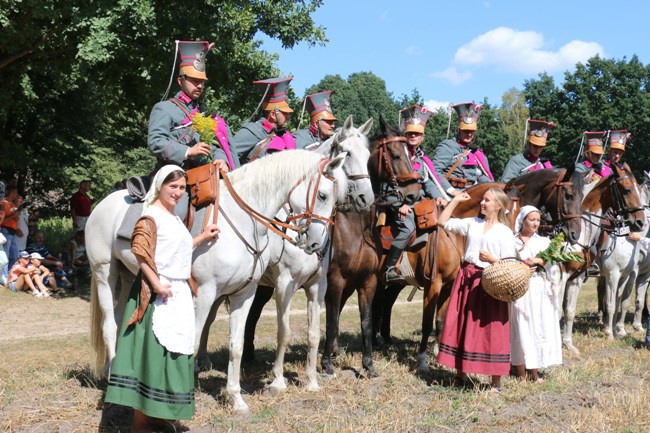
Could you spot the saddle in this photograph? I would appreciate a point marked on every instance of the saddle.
(426, 218)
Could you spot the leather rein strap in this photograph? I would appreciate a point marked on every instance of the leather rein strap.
(272, 224)
(457, 163)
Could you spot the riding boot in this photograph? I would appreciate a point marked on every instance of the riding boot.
(391, 260)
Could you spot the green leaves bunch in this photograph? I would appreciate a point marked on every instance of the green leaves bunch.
(555, 253)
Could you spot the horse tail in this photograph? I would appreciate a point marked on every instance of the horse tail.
(96, 332)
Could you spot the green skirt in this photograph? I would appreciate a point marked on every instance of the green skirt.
(145, 375)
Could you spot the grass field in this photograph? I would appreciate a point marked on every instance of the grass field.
(46, 384)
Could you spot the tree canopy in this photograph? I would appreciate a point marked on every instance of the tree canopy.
(80, 77)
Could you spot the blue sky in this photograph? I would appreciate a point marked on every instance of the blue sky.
(460, 51)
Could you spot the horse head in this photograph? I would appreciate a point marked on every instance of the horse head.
(313, 199)
(556, 193)
(626, 197)
(390, 163)
(354, 141)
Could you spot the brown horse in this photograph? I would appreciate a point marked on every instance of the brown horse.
(354, 262)
(614, 201)
(436, 264)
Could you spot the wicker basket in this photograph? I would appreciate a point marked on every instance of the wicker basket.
(506, 280)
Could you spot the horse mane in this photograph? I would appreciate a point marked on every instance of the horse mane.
(258, 180)
(385, 130)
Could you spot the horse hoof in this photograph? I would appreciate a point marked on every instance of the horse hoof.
(275, 389)
(371, 374)
(571, 348)
(312, 387)
(621, 332)
(638, 327)
(241, 409)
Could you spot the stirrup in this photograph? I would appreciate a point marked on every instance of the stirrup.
(593, 270)
(392, 275)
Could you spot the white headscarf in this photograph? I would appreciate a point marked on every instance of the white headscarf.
(156, 184)
(522, 216)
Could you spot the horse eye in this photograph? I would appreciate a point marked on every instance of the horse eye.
(322, 196)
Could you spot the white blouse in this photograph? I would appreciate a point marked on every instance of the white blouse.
(536, 244)
(499, 240)
(174, 245)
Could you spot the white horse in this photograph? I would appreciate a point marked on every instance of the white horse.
(293, 269)
(621, 262)
(619, 192)
(230, 266)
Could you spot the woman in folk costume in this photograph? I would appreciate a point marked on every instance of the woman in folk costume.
(476, 334)
(530, 159)
(153, 371)
(402, 219)
(534, 318)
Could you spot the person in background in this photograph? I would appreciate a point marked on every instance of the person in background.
(476, 334)
(617, 142)
(153, 371)
(23, 224)
(75, 260)
(458, 161)
(81, 205)
(9, 228)
(20, 276)
(535, 340)
(592, 162)
(268, 134)
(49, 260)
(530, 159)
(42, 278)
(322, 120)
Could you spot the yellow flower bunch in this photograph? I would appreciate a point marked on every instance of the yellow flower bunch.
(205, 126)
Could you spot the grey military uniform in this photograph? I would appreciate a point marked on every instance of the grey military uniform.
(405, 228)
(304, 138)
(519, 165)
(247, 137)
(169, 141)
(446, 156)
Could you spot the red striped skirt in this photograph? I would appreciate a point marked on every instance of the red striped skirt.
(476, 336)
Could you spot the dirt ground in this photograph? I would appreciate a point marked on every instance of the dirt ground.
(46, 384)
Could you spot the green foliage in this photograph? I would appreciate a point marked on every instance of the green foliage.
(554, 252)
(80, 77)
(602, 94)
(57, 232)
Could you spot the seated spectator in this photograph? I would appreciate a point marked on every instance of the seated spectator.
(53, 263)
(20, 276)
(43, 277)
(74, 256)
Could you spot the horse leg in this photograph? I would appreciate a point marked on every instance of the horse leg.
(377, 313)
(624, 303)
(429, 304)
(390, 296)
(263, 295)
(332, 312)
(205, 312)
(365, 296)
(570, 304)
(239, 307)
(283, 296)
(641, 290)
(611, 295)
(104, 326)
(315, 295)
(601, 290)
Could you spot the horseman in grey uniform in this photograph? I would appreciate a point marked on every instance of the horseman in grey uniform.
(593, 158)
(617, 141)
(171, 138)
(458, 161)
(322, 120)
(268, 134)
(530, 160)
(401, 216)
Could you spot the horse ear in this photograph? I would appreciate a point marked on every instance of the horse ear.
(569, 172)
(366, 127)
(335, 163)
(383, 127)
(344, 132)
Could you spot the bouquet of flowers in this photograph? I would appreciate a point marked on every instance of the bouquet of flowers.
(555, 254)
(205, 125)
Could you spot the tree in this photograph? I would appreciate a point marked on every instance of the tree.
(602, 94)
(80, 76)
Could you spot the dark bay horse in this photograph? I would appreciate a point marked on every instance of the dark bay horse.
(556, 192)
(354, 263)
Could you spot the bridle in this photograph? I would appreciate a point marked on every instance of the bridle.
(384, 163)
(279, 227)
(351, 178)
(560, 190)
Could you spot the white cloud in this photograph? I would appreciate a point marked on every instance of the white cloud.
(413, 50)
(521, 51)
(453, 75)
(434, 105)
